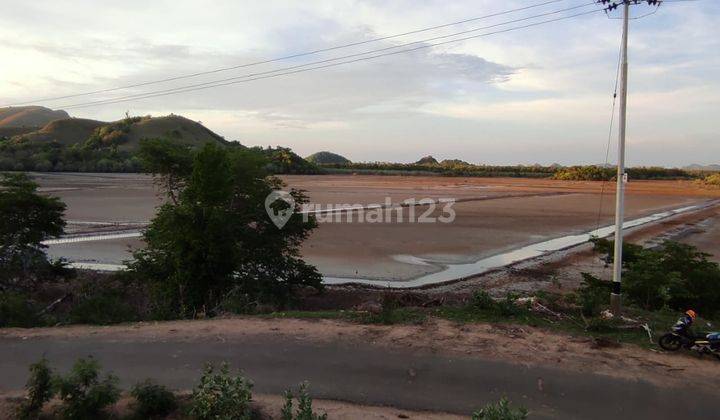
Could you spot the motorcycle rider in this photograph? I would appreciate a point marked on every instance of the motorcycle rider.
(683, 325)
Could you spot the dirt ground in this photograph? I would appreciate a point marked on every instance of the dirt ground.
(522, 345)
(269, 405)
(493, 215)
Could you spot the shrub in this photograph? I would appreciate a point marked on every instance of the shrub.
(39, 390)
(507, 307)
(83, 394)
(601, 325)
(593, 293)
(482, 300)
(500, 410)
(220, 396)
(16, 310)
(673, 275)
(304, 410)
(102, 307)
(152, 400)
(713, 179)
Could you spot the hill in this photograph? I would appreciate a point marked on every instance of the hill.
(454, 162)
(84, 145)
(125, 134)
(327, 158)
(66, 132)
(427, 160)
(696, 167)
(29, 116)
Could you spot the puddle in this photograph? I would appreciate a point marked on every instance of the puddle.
(410, 259)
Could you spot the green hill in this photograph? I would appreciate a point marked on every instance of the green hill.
(83, 145)
(29, 116)
(327, 158)
(124, 134)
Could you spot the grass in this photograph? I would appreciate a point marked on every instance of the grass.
(393, 316)
(659, 321)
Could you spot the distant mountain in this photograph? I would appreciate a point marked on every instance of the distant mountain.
(29, 116)
(325, 158)
(696, 167)
(453, 162)
(427, 160)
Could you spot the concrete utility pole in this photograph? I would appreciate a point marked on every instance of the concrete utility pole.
(621, 175)
(620, 194)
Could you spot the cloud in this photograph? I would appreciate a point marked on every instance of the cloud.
(536, 95)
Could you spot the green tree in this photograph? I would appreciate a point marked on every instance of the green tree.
(673, 274)
(26, 220)
(213, 238)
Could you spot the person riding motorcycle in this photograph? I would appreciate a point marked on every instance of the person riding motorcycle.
(683, 326)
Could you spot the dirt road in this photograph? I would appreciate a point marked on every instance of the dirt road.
(383, 366)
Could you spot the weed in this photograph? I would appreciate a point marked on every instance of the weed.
(152, 400)
(83, 394)
(221, 396)
(501, 410)
(304, 410)
(39, 390)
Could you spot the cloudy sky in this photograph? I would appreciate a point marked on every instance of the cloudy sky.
(535, 95)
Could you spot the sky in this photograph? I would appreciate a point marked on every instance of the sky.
(534, 95)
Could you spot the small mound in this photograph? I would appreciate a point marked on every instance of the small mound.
(327, 158)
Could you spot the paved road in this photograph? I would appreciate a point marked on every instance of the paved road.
(366, 374)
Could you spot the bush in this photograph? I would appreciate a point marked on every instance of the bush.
(593, 293)
(39, 390)
(507, 307)
(304, 410)
(83, 394)
(152, 400)
(482, 300)
(16, 310)
(674, 275)
(220, 396)
(602, 325)
(500, 410)
(713, 180)
(103, 307)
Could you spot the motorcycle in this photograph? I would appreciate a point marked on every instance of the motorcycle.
(702, 343)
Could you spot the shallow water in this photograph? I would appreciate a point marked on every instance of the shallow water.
(448, 272)
(452, 272)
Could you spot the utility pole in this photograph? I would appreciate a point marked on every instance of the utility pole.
(615, 301)
(620, 193)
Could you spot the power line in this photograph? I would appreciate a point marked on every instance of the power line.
(288, 57)
(300, 69)
(610, 132)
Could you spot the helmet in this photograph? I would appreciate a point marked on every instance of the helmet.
(691, 314)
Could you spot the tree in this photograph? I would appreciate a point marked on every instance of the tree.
(673, 274)
(214, 238)
(26, 220)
